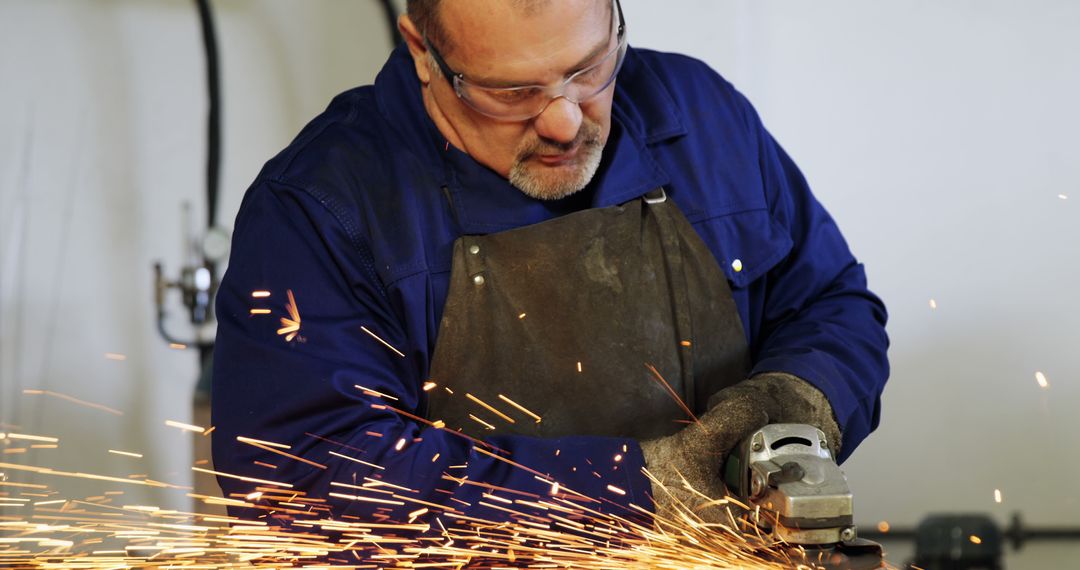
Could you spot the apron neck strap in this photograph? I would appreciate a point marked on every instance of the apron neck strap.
(657, 196)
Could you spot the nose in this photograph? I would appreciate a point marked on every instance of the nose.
(560, 121)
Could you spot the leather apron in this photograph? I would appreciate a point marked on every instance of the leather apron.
(565, 318)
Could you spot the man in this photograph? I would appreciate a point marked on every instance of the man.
(575, 258)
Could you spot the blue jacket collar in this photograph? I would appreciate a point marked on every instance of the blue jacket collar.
(643, 113)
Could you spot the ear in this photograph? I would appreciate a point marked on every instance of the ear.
(415, 40)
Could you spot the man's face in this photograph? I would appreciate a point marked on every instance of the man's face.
(513, 43)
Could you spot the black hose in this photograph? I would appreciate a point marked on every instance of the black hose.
(213, 126)
(391, 21)
(213, 84)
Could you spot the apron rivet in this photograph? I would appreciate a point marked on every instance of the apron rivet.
(479, 279)
(737, 265)
(474, 249)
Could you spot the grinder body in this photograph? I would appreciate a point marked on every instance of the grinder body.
(788, 477)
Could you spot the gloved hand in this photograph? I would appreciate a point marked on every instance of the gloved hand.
(687, 464)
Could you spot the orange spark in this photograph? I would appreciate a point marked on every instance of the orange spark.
(336, 454)
(23, 485)
(671, 392)
(481, 422)
(48, 471)
(252, 440)
(185, 427)
(371, 392)
(291, 326)
(521, 408)
(366, 499)
(27, 437)
(240, 477)
(279, 452)
(73, 400)
(489, 408)
(384, 343)
(127, 453)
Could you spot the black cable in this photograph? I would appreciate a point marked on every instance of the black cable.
(391, 21)
(213, 127)
(213, 170)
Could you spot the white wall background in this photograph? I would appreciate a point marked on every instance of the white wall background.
(102, 138)
(940, 134)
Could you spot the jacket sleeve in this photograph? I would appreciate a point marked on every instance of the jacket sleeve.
(819, 321)
(333, 413)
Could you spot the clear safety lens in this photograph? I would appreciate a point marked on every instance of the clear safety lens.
(526, 102)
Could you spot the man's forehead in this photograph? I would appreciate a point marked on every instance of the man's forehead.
(494, 32)
(530, 7)
(526, 8)
(459, 18)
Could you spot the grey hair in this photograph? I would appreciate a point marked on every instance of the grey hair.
(425, 16)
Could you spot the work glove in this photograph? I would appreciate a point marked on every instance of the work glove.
(686, 466)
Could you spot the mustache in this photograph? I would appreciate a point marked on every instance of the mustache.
(588, 135)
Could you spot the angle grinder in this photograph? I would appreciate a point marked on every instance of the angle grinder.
(797, 493)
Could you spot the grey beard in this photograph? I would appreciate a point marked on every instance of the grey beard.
(537, 187)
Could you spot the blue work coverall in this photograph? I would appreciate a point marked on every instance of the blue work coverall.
(357, 217)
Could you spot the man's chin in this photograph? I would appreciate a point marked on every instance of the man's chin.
(554, 181)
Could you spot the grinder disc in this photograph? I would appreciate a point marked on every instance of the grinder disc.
(857, 554)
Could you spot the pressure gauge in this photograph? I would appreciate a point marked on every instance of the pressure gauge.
(215, 244)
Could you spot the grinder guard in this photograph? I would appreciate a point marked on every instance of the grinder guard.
(796, 491)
